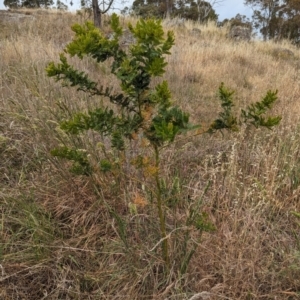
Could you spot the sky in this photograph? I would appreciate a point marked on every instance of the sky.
(226, 9)
(230, 8)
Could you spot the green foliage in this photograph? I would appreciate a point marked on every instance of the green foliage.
(140, 115)
(81, 164)
(105, 165)
(254, 114)
(134, 70)
(167, 125)
(226, 119)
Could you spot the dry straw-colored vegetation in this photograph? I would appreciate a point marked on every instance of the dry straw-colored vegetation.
(58, 241)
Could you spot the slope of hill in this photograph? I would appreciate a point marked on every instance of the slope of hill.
(59, 241)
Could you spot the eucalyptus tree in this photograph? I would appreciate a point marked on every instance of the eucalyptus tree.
(276, 18)
(99, 7)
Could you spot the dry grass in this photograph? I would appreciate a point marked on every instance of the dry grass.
(57, 238)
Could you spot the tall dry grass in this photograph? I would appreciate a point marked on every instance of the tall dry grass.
(58, 241)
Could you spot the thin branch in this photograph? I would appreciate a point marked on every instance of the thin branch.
(109, 5)
(167, 237)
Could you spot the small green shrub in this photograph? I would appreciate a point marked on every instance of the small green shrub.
(137, 123)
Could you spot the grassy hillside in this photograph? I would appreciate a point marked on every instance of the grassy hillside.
(58, 239)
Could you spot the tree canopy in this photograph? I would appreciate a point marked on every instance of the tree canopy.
(196, 10)
(238, 20)
(28, 3)
(277, 18)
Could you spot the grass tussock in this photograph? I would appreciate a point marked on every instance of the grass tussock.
(58, 239)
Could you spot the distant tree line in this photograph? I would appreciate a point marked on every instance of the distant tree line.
(196, 10)
(28, 3)
(15, 4)
(274, 19)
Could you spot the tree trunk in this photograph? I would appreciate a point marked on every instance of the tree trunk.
(97, 13)
(168, 9)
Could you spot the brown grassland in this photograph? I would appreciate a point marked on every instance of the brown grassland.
(58, 241)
